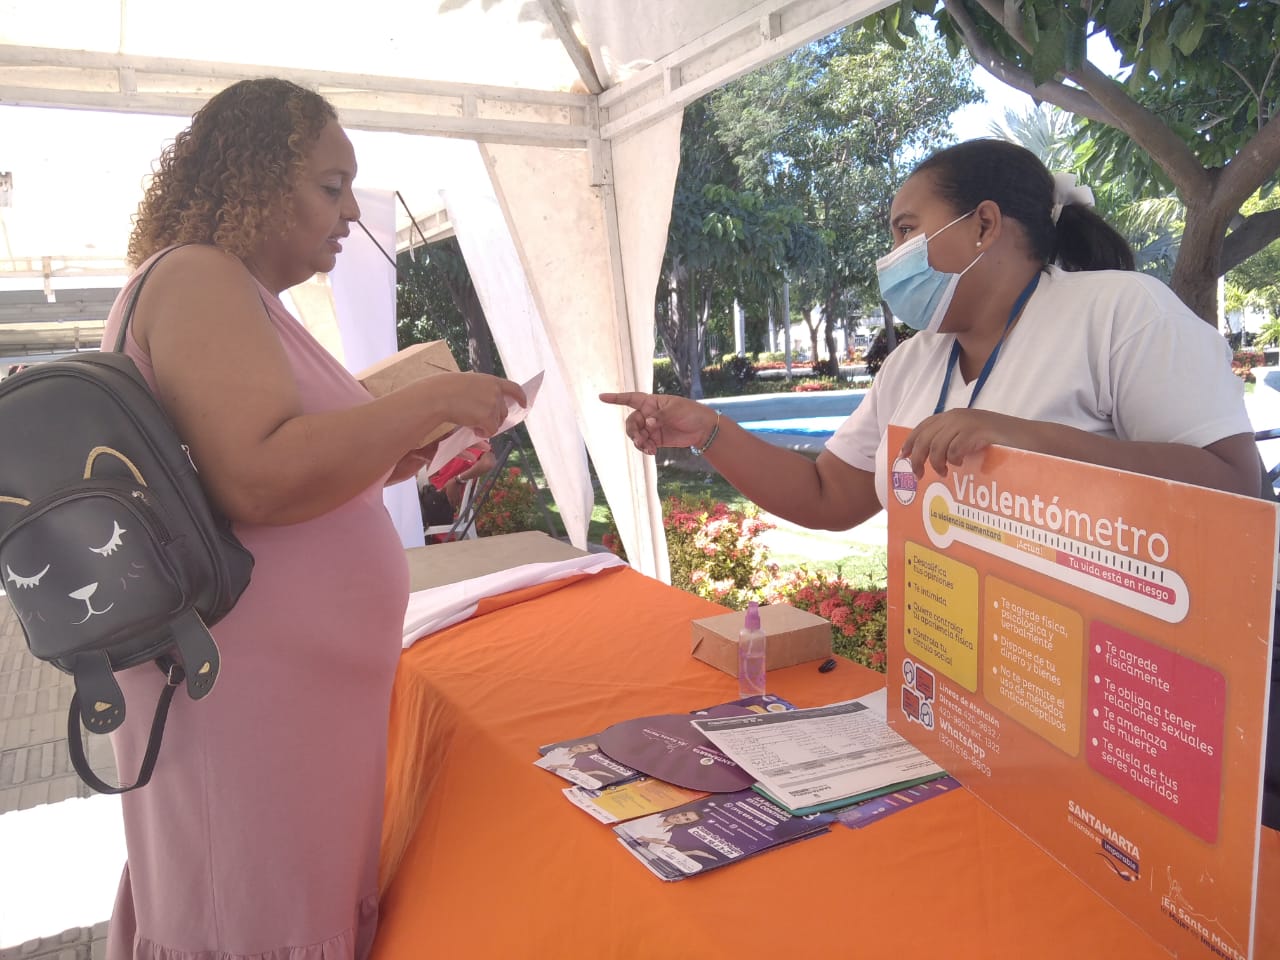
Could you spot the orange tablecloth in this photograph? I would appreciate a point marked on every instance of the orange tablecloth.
(487, 859)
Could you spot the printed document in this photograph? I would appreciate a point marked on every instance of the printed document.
(820, 758)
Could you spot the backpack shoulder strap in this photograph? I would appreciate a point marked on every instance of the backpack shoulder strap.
(133, 298)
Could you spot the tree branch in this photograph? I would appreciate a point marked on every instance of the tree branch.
(1117, 110)
(985, 55)
(1255, 233)
(1250, 167)
(1148, 131)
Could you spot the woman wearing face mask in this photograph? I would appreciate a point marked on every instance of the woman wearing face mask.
(1035, 334)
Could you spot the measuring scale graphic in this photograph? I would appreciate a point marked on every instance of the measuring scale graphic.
(1145, 587)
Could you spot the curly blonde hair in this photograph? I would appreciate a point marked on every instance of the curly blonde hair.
(228, 178)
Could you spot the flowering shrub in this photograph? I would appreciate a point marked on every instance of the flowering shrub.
(512, 506)
(715, 552)
(1243, 362)
(857, 611)
(811, 386)
(801, 365)
(611, 540)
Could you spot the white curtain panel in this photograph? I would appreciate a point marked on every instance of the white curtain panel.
(364, 300)
(518, 330)
(592, 261)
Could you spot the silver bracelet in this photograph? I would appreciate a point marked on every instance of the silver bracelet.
(711, 438)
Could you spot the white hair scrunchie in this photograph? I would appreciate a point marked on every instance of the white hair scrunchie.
(1066, 191)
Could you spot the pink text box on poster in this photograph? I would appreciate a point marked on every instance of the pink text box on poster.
(1154, 726)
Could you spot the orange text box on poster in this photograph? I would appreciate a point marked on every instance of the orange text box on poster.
(1033, 650)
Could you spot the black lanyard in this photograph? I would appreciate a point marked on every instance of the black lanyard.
(1018, 304)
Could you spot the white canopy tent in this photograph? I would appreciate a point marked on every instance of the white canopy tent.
(575, 106)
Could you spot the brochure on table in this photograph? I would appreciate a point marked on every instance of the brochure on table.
(714, 832)
(1089, 652)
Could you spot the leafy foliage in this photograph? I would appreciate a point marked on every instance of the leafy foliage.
(1256, 282)
(1194, 111)
(788, 173)
(436, 300)
(835, 128)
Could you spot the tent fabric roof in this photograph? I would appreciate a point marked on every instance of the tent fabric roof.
(507, 71)
(502, 43)
(576, 105)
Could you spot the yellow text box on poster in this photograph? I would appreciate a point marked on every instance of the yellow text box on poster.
(1032, 658)
(941, 615)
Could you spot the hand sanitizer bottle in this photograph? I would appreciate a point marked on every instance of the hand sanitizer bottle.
(751, 650)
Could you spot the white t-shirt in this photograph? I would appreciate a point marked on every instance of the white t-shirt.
(1110, 352)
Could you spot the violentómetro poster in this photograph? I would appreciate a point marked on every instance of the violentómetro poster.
(1088, 651)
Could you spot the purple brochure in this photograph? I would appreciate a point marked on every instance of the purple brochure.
(714, 832)
(669, 748)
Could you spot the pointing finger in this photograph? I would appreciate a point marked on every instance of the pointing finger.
(622, 399)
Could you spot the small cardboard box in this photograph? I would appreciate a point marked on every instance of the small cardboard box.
(410, 364)
(792, 636)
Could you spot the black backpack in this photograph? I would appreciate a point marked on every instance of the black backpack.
(110, 552)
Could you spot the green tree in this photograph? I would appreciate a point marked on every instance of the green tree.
(1195, 110)
(835, 128)
(1256, 282)
(724, 240)
(436, 300)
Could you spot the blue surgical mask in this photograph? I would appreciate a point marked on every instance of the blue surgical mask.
(918, 294)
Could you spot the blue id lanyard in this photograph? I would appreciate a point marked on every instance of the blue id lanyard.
(1018, 304)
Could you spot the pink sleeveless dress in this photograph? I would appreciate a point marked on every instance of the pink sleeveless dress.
(258, 835)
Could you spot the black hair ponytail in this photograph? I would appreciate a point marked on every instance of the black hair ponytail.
(1085, 241)
(1019, 184)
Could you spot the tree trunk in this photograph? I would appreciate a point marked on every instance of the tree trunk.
(786, 324)
(829, 329)
(463, 293)
(672, 328)
(697, 333)
(679, 327)
(1195, 274)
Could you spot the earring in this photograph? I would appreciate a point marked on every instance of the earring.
(978, 244)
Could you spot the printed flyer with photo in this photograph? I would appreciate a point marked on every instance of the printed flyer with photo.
(714, 832)
(581, 761)
(626, 801)
(1088, 651)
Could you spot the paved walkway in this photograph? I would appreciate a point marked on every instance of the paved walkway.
(35, 769)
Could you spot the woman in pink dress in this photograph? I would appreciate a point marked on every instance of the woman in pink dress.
(258, 834)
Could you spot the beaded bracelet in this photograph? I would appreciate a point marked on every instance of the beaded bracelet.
(715, 430)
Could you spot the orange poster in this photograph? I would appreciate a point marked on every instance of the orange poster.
(1089, 651)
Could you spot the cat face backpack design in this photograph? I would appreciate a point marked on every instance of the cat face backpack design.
(110, 553)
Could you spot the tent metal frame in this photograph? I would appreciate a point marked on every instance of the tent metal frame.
(54, 77)
(128, 83)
